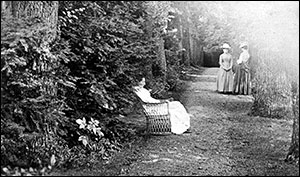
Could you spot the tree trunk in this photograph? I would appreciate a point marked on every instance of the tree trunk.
(191, 51)
(3, 6)
(47, 10)
(162, 57)
(186, 46)
(157, 13)
(197, 50)
(6, 8)
(201, 53)
(293, 153)
(180, 46)
(181, 50)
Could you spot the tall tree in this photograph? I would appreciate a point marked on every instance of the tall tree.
(46, 10)
(184, 15)
(156, 29)
(293, 153)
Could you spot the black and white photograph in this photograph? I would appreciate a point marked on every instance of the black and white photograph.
(149, 88)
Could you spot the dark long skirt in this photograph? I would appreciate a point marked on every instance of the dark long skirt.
(241, 82)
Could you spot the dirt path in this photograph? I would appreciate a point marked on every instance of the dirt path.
(225, 141)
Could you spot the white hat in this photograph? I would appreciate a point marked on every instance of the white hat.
(226, 46)
(243, 44)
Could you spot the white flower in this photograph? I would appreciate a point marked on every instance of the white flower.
(82, 123)
(84, 140)
(90, 126)
(95, 122)
(98, 132)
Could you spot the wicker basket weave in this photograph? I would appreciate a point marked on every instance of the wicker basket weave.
(157, 117)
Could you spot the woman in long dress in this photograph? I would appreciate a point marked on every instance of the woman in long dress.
(241, 84)
(225, 74)
(179, 117)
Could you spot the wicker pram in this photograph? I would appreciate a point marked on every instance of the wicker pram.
(157, 117)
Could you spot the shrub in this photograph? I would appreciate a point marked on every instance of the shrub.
(271, 89)
(87, 72)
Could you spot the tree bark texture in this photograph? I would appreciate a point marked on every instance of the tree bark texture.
(186, 46)
(294, 148)
(197, 54)
(180, 46)
(46, 10)
(191, 51)
(162, 56)
(157, 15)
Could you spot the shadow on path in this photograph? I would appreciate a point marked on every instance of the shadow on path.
(225, 141)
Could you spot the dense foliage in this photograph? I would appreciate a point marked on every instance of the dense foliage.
(65, 100)
(30, 106)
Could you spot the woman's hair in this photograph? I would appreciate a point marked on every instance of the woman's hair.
(139, 77)
(245, 47)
